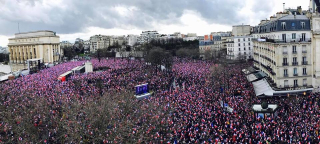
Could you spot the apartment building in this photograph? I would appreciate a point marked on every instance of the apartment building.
(282, 50)
(239, 47)
(147, 36)
(100, 42)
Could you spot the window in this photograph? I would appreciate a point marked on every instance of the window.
(295, 83)
(294, 59)
(249, 48)
(285, 61)
(285, 72)
(284, 37)
(295, 71)
(293, 24)
(304, 49)
(244, 39)
(239, 49)
(305, 82)
(245, 53)
(303, 37)
(286, 83)
(294, 49)
(248, 39)
(239, 44)
(244, 48)
(293, 35)
(304, 59)
(283, 25)
(303, 25)
(244, 44)
(304, 70)
(285, 50)
(238, 40)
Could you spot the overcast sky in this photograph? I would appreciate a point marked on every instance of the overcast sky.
(84, 18)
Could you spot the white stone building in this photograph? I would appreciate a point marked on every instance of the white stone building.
(44, 45)
(147, 36)
(100, 42)
(241, 30)
(283, 51)
(132, 39)
(239, 47)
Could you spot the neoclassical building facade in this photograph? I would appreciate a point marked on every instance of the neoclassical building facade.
(44, 45)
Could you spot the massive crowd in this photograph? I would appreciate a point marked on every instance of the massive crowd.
(185, 107)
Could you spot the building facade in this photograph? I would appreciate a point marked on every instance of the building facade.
(241, 30)
(44, 45)
(239, 47)
(282, 50)
(132, 39)
(100, 42)
(147, 36)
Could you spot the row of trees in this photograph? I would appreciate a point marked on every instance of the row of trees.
(4, 57)
(174, 44)
(158, 56)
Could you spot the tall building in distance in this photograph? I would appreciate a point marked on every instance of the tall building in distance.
(43, 45)
(239, 46)
(241, 30)
(147, 36)
(132, 39)
(100, 42)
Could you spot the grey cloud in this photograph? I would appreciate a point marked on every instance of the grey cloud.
(80, 14)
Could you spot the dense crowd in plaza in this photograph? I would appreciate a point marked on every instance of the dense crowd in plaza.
(187, 111)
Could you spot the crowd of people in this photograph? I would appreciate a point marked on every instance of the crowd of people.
(184, 108)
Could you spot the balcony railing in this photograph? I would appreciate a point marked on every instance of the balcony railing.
(286, 86)
(304, 51)
(294, 63)
(304, 63)
(294, 52)
(304, 74)
(284, 52)
(285, 75)
(284, 41)
(285, 64)
(295, 74)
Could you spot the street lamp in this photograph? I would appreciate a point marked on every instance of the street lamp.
(10, 63)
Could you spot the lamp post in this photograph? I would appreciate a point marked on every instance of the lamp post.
(10, 62)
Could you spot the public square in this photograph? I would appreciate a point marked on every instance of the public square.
(100, 107)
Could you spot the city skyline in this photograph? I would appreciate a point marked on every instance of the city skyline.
(71, 19)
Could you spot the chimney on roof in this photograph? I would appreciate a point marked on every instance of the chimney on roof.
(299, 9)
(284, 5)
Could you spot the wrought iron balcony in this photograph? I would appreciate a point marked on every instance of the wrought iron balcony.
(294, 63)
(294, 52)
(304, 51)
(285, 64)
(304, 62)
(285, 75)
(295, 74)
(284, 52)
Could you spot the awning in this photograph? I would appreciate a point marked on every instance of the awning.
(260, 75)
(251, 77)
(262, 87)
(249, 70)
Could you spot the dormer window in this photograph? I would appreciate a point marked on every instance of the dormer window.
(303, 25)
(283, 25)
